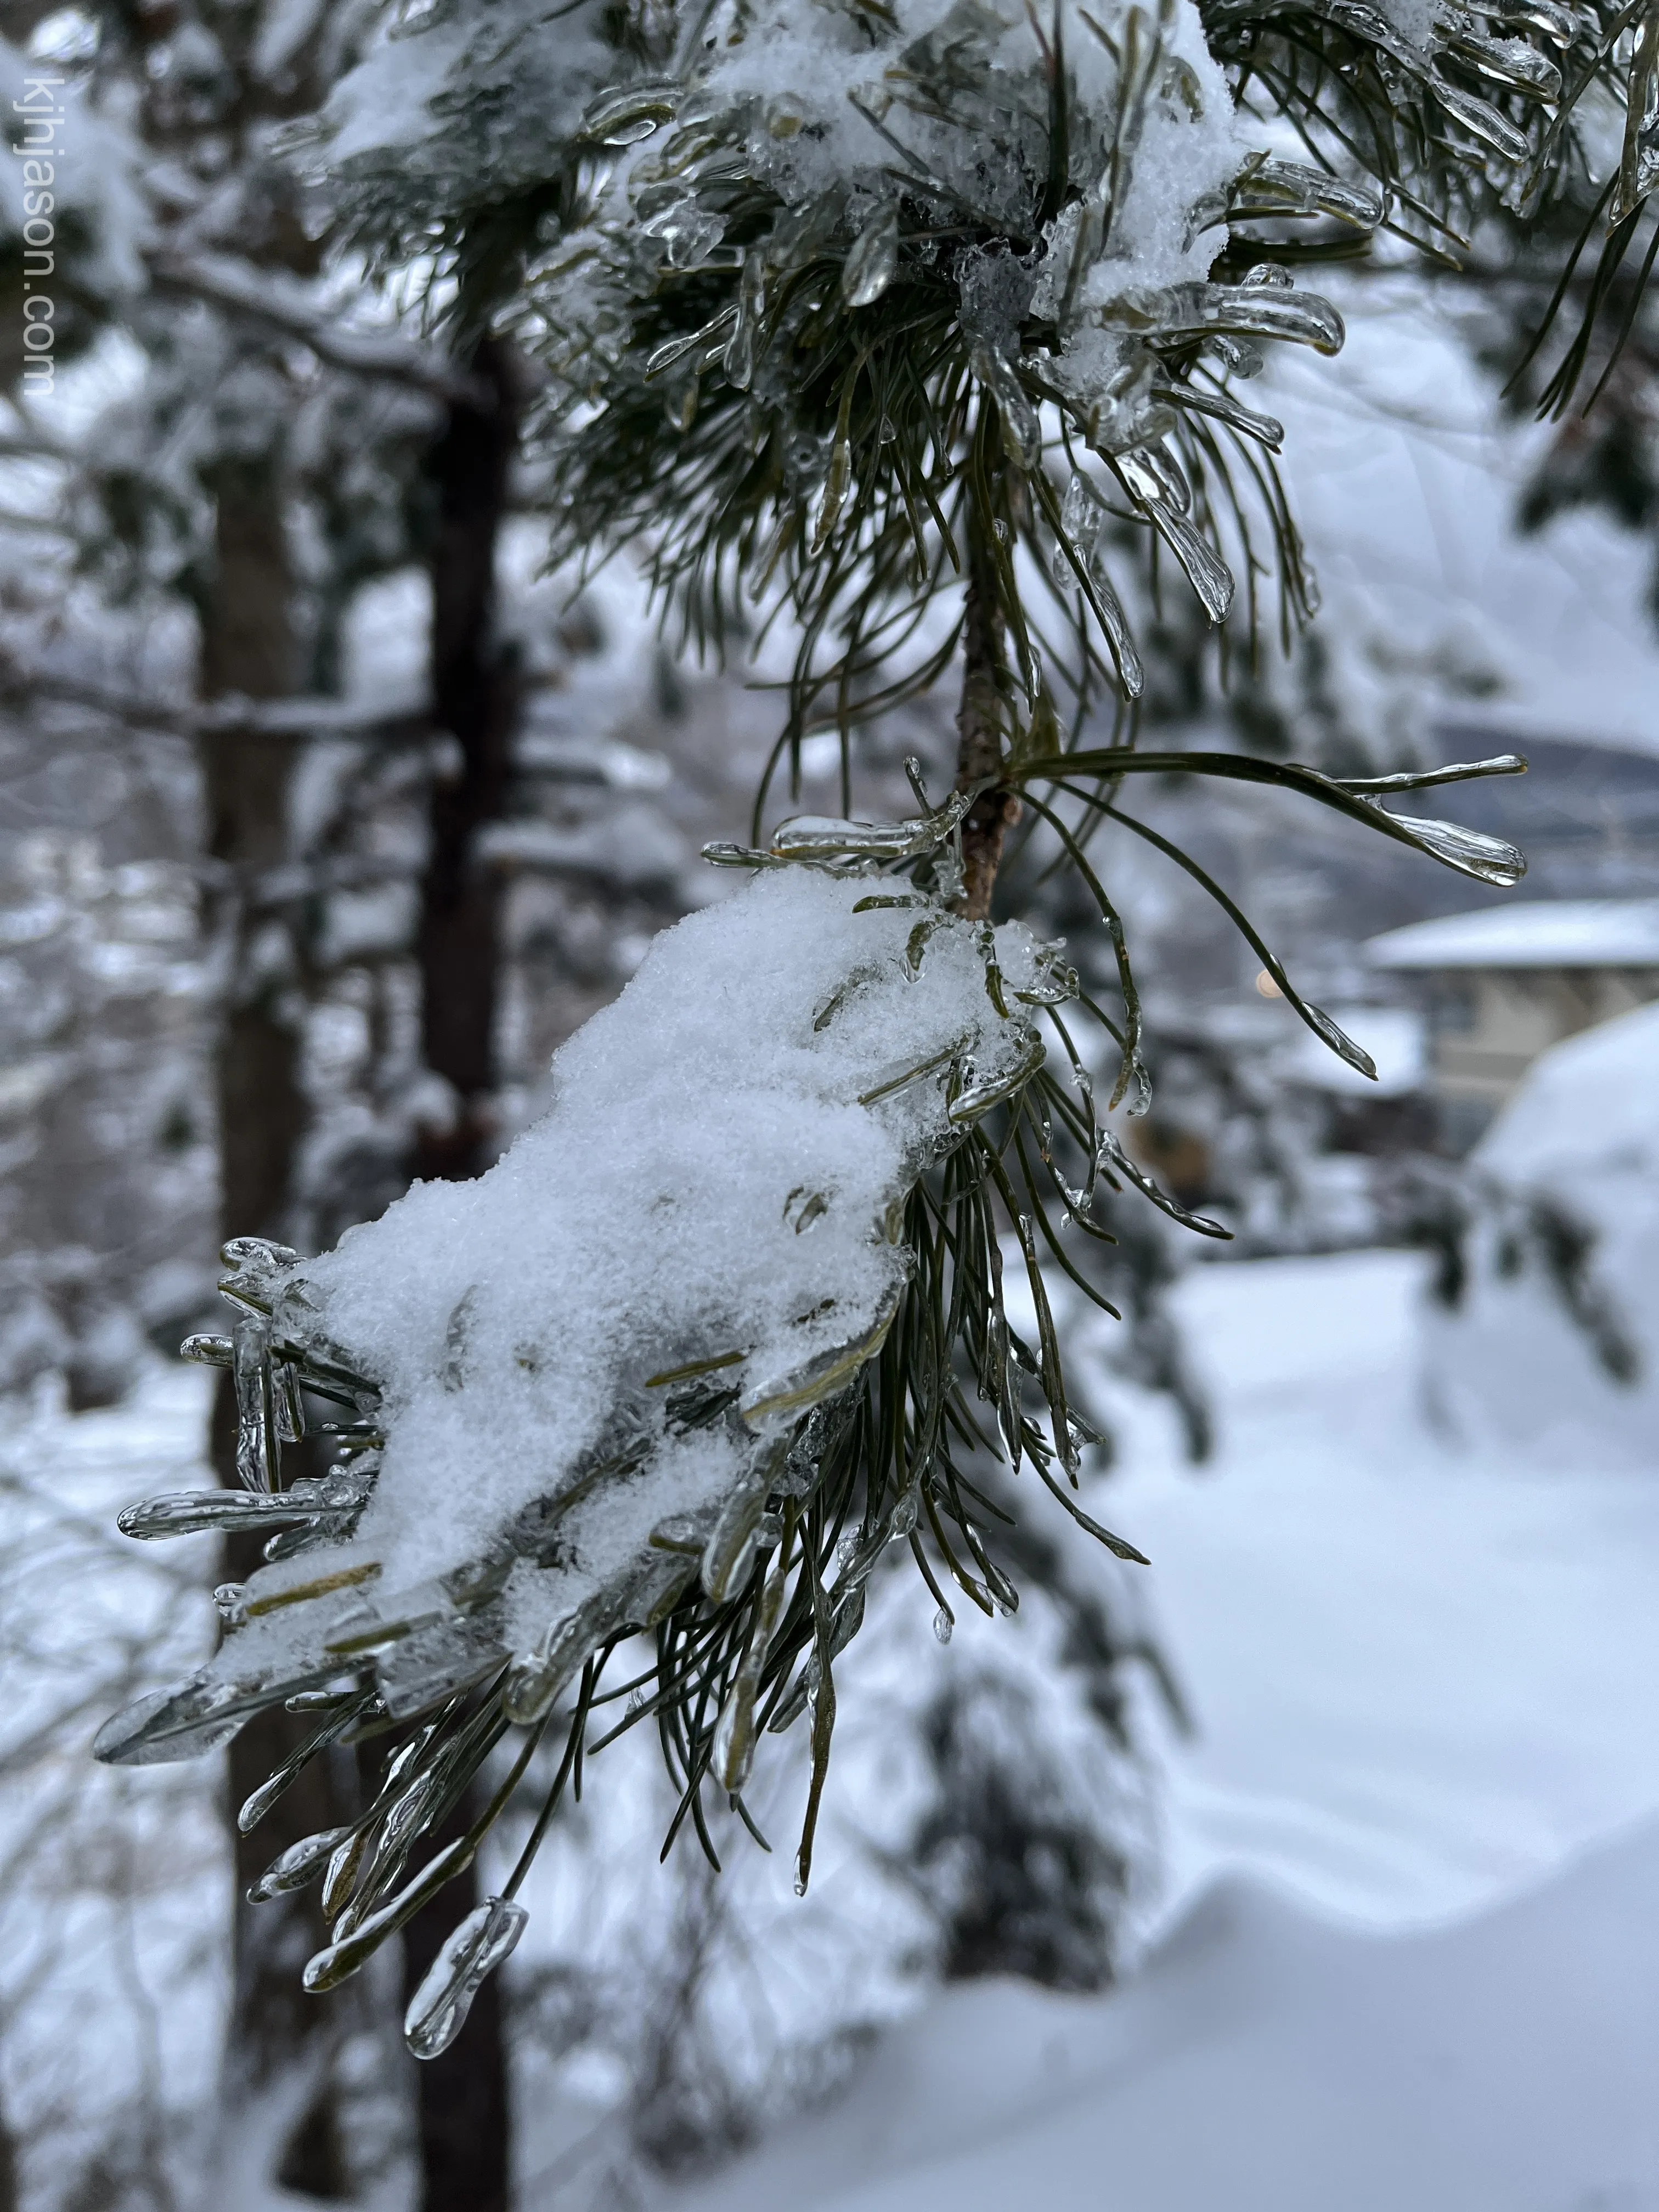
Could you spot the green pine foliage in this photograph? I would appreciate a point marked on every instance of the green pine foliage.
(920, 331)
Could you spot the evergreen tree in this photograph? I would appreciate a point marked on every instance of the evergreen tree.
(891, 320)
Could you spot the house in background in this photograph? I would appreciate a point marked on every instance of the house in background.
(1499, 985)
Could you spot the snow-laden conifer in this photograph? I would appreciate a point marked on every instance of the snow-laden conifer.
(864, 310)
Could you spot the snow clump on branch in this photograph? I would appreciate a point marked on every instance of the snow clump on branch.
(585, 1372)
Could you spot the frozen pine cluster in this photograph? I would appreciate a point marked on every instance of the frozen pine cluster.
(910, 334)
(584, 1375)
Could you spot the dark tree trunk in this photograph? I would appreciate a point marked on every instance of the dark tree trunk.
(475, 696)
(277, 2035)
(464, 2143)
(463, 2116)
(248, 649)
(10, 2192)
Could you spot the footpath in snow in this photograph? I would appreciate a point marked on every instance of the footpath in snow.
(1411, 1956)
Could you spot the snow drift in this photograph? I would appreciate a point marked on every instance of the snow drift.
(1571, 1236)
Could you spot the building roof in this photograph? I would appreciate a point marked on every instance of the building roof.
(1531, 933)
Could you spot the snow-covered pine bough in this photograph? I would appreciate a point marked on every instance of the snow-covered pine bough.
(855, 306)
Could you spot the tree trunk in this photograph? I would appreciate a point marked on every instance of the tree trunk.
(10, 2189)
(463, 2118)
(278, 2037)
(465, 2140)
(475, 696)
(979, 739)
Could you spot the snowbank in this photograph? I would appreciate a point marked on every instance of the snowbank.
(1266, 2063)
(1414, 1848)
(1574, 1162)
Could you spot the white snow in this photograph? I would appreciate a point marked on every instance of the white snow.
(1583, 1134)
(1266, 2063)
(114, 1888)
(713, 1191)
(1406, 470)
(1409, 1938)
(1413, 1925)
(1609, 932)
(88, 163)
(813, 61)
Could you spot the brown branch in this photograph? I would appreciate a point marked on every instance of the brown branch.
(263, 296)
(979, 739)
(292, 720)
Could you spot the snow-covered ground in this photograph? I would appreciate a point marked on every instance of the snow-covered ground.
(1409, 1941)
(1423, 1678)
(1412, 1934)
(1264, 2062)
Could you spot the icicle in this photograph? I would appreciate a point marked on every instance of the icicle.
(188, 1513)
(1639, 158)
(1205, 571)
(1082, 511)
(633, 111)
(872, 261)
(729, 1554)
(206, 1710)
(735, 1735)
(1299, 188)
(1109, 1153)
(1481, 118)
(1265, 428)
(1510, 63)
(1471, 852)
(945, 1624)
(817, 836)
(739, 359)
(1021, 427)
(1560, 25)
(298, 1865)
(833, 497)
(331, 1966)
(976, 1098)
(437, 2011)
(1084, 520)
(207, 1350)
(257, 1451)
(1153, 473)
(677, 349)
(1182, 310)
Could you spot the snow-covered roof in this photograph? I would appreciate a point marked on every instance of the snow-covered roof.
(1533, 933)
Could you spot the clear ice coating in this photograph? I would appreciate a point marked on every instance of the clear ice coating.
(566, 1388)
(871, 264)
(437, 2011)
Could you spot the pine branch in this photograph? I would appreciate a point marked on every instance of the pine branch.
(289, 722)
(262, 296)
(979, 737)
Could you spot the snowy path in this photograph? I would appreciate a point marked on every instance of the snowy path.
(1428, 1691)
